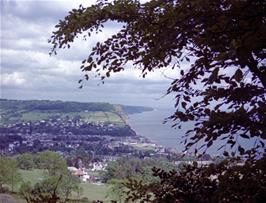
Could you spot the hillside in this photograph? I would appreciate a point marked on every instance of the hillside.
(33, 125)
(12, 111)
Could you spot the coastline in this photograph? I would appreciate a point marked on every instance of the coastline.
(149, 125)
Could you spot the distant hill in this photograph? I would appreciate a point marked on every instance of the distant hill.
(32, 110)
(58, 106)
(135, 109)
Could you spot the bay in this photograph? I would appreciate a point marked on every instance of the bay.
(150, 125)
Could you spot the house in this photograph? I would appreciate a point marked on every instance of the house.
(72, 169)
(80, 173)
(98, 166)
(85, 178)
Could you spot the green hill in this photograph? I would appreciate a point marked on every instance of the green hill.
(33, 110)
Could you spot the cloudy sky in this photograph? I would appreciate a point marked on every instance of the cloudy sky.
(28, 72)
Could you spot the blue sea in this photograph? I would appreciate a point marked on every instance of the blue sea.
(150, 125)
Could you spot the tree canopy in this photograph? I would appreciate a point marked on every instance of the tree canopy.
(9, 174)
(224, 89)
(53, 162)
(224, 182)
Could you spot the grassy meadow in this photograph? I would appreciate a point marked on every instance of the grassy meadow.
(90, 191)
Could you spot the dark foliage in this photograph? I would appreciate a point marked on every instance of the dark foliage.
(223, 42)
(225, 182)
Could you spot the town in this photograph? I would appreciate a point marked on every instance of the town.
(87, 136)
(68, 135)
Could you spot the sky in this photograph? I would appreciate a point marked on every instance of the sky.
(28, 72)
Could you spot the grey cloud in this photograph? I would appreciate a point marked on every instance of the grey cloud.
(26, 27)
(37, 11)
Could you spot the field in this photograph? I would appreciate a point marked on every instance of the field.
(95, 192)
(89, 190)
(91, 116)
(12, 111)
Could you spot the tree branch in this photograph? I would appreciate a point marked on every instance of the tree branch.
(253, 66)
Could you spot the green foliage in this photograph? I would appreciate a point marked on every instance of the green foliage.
(9, 174)
(44, 191)
(222, 42)
(125, 168)
(53, 188)
(26, 161)
(123, 171)
(224, 182)
(69, 185)
(117, 190)
(33, 176)
(56, 184)
(25, 191)
(52, 162)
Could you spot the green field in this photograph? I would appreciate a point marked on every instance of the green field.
(100, 116)
(89, 190)
(91, 116)
(97, 116)
(95, 192)
(34, 116)
(12, 111)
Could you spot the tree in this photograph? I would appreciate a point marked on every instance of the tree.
(224, 182)
(56, 188)
(130, 167)
(9, 174)
(117, 190)
(223, 41)
(26, 161)
(69, 185)
(52, 162)
(45, 191)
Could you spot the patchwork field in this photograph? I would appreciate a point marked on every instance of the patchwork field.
(12, 111)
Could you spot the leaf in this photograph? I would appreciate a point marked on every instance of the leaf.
(226, 153)
(207, 111)
(238, 76)
(214, 75)
(241, 150)
(209, 144)
(244, 136)
(184, 104)
(262, 143)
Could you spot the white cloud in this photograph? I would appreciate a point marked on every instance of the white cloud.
(38, 62)
(162, 75)
(12, 79)
(28, 72)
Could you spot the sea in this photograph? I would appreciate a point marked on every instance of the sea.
(150, 124)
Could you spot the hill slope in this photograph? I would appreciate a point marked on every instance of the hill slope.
(33, 110)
